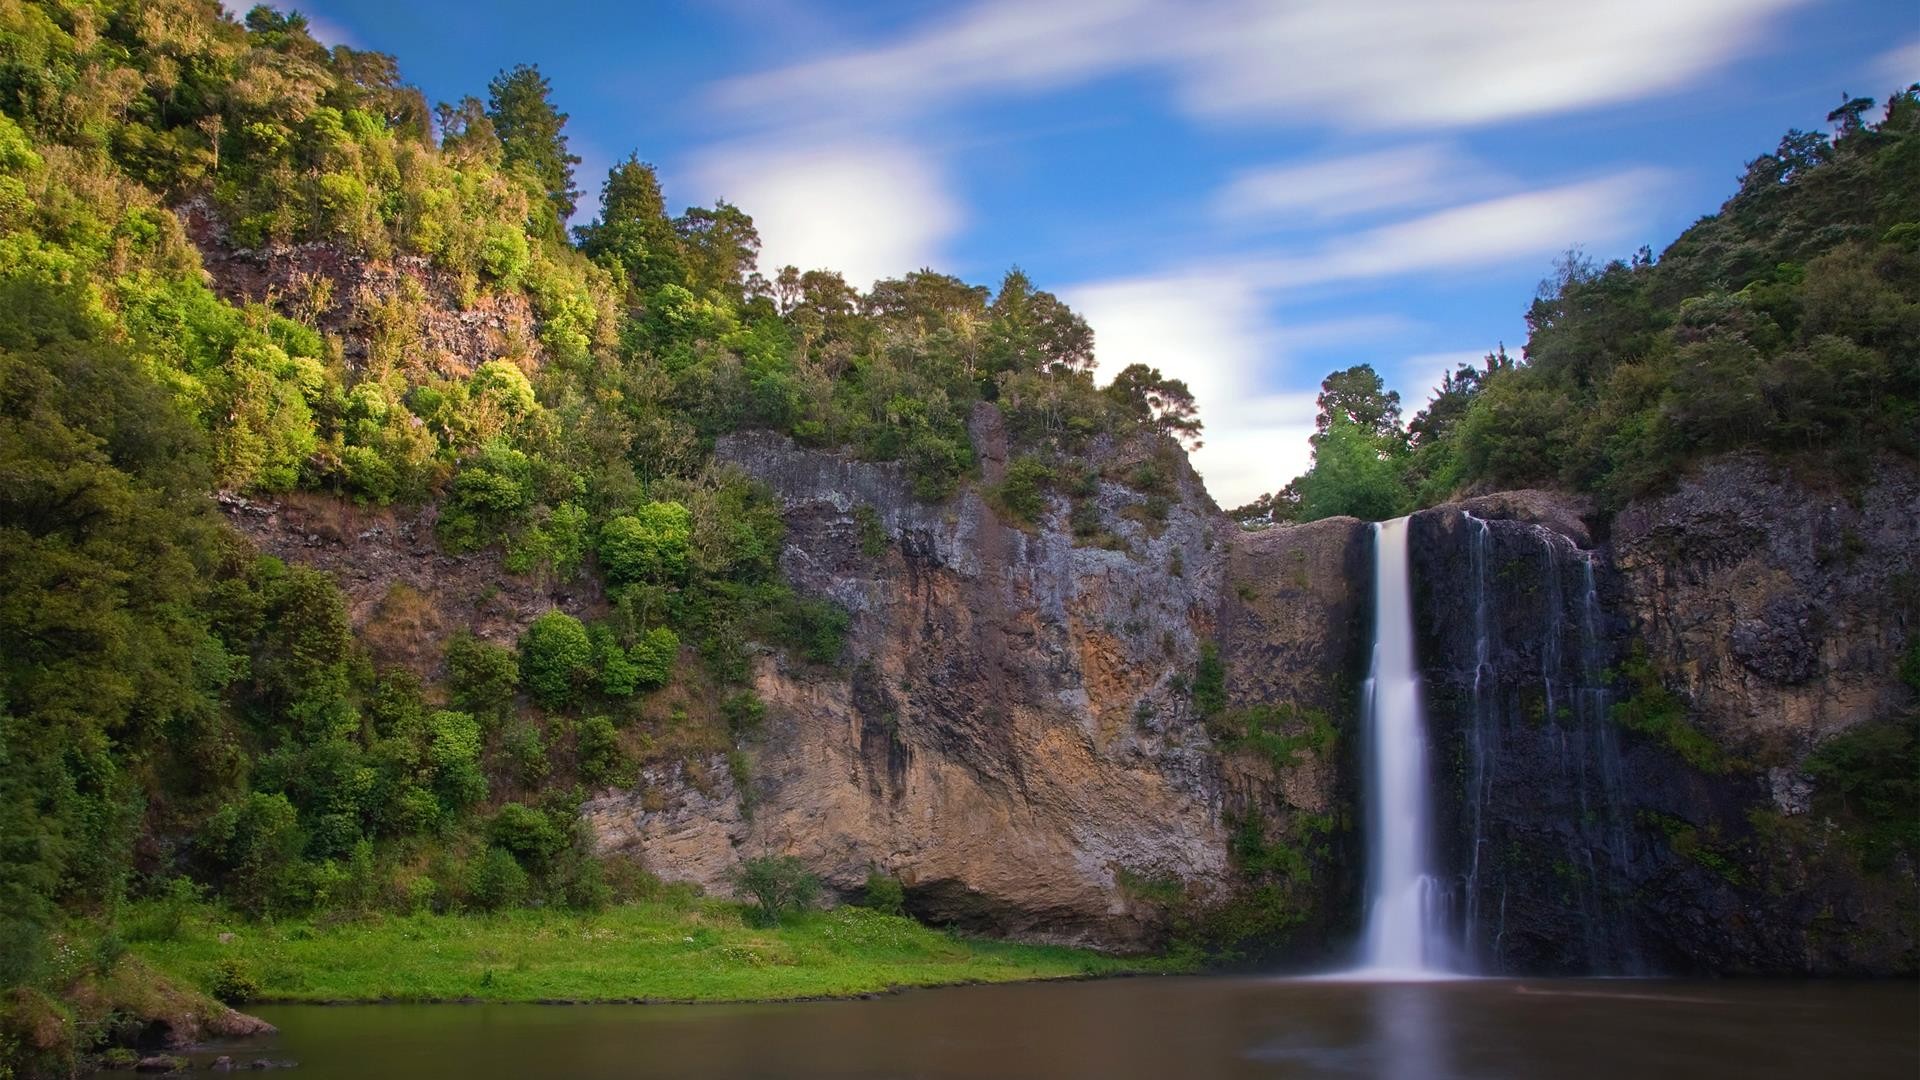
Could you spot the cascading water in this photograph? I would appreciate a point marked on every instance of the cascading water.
(1404, 935)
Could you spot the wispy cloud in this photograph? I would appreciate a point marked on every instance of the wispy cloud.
(1532, 223)
(1384, 64)
(867, 207)
(1328, 189)
(1896, 68)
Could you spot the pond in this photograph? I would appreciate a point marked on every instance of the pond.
(1174, 1027)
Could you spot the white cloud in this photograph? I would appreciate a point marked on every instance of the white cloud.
(1380, 64)
(1332, 188)
(1533, 223)
(869, 208)
(1896, 68)
(1215, 333)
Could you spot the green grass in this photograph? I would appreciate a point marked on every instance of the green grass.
(693, 950)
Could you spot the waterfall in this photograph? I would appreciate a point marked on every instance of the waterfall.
(1403, 933)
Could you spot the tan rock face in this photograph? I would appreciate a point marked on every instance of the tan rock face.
(1010, 733)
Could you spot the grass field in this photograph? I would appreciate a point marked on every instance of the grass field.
(685, 950)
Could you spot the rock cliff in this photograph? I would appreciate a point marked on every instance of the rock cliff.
(1625, 717)
(1012, 732)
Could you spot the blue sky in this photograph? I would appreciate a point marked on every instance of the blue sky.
(1246, 195)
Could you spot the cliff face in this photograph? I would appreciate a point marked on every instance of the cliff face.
(1624, 726)
(1011, 732)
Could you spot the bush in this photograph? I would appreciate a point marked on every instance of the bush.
(884, 894)
(455, 756)
(597, 751)
(528, 834)
(233, 981)
(483, 676)
(496, 881)
(1023, 494)
(556, 658)
(778, 885)
(650, 545)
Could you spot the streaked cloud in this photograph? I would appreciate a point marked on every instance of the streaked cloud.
(1328, 189)
(1386, 64)
(1897, 68)
(1533, 223)
(869, 208)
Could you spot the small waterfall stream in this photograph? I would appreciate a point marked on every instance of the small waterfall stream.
(1404, 935)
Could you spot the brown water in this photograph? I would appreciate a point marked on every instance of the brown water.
(1172, 1027)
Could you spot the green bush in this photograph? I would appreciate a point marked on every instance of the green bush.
(650, 545)
(496, 881)
(483, 676)
(455, 756)
(233, 981)
(556, 659)
(528, 834)
(597, 751)
(778, 885)
(884, 893)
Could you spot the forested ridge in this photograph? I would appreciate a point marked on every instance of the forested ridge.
(184, 717)
(1789, 323)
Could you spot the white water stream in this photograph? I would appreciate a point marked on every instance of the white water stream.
(1405, 934)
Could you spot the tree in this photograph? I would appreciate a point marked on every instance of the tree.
(1358, 396)
(1356, 472)
(634, 234)
(532, 140)
(1157, 402)
(556, 658)
(720, 248)
(650, 545)
(778, 885)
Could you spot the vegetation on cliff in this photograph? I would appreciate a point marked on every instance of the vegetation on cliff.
(1785, 323)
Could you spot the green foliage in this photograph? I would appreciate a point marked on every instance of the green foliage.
(1653, 710)
(1280, 733)
(1869, 778)
(496, 881)
(1023, 494)
(650, 546)
(556, 659)
(255, 844)
(778, 885)
(483, 676)
(597, 751)
(531, 142)
(528, 834)
(233, 981)
(1209, 689)
(884, 893)
(454, 754)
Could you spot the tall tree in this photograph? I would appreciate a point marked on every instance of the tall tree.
(533, 139)
(633, 232)
(1165, 405)
(1358, 396)
(720, 247)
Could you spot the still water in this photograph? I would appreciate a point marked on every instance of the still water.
(1171, 1027)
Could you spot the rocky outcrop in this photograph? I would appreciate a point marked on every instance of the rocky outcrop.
(1011, 733)
(405, 595)
(1623, 710)
(402, 312)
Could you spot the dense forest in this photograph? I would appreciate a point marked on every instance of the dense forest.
(182, 716)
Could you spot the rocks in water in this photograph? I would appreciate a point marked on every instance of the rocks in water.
(161, 1063)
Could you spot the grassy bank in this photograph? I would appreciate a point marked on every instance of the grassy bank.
(685, 950)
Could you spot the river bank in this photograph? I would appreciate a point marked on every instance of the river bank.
(678, 950)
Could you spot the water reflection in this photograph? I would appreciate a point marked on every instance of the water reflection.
(1196, 1027)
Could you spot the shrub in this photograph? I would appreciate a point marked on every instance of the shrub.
(884, 894)
(1209, 682)
(650, 545)
(526, 749)
(455, 756)
(496, 881)
(777, 884)
(1023, 494)
(527, 833)
(556, 658)
(233, 981)
(483, 676)
(597, 751)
